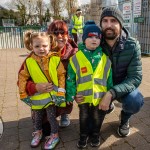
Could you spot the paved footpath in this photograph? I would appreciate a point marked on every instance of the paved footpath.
(18, 125)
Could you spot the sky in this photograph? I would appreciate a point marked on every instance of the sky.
(3, 1)
(81, 1)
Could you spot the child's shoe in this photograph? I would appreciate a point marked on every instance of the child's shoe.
(95, 141)
(82, 143)
(64, 120)
(37, 136)
(51, 141)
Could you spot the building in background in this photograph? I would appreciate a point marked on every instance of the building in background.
(137, 18)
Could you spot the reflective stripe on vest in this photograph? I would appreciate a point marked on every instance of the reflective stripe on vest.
(39, 100)
(78, 24)
(92, 85)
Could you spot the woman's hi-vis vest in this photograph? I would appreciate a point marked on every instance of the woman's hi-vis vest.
(43, 100)
(92, 85)
(78, 24)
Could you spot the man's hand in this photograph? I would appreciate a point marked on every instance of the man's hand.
(79, 98)
(44, 87)
(105, 102)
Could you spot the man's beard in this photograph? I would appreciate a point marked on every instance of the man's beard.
(111, 36)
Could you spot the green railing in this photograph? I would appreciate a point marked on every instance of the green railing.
(12, 37)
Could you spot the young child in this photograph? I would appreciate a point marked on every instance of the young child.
(89, 77)
(43, 66)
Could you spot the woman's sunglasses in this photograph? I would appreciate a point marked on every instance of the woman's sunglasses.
(57, 32)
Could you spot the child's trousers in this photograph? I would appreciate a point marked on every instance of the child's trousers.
(91, 119)
(51, 116)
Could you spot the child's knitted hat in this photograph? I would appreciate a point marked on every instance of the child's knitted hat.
(91, 29)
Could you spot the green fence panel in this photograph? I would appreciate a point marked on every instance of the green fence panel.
(12, 37)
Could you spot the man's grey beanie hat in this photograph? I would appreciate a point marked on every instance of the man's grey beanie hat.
(112, 12)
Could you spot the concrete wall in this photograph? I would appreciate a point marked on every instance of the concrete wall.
(96, 9)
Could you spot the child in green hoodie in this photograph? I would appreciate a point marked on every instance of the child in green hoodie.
(89, 77)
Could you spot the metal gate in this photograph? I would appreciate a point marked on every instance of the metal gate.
(144, 27)
(140, 26)
(12, 37)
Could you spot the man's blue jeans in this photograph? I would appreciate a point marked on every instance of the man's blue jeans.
(131, 104)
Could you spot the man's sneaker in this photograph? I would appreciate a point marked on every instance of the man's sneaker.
(64, 120)
(111, 109)
(37, 136)
(95, 141)
(124, 129)
(51, 142)
(82, 143)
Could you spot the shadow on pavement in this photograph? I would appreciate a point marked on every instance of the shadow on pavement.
(17, 134)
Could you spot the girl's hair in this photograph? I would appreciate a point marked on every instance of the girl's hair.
(30, 35)
(57, 25)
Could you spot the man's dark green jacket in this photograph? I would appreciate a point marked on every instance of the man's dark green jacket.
(126, 64)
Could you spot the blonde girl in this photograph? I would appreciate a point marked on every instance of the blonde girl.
(43, 66)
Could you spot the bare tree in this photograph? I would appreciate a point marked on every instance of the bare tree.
(34, 11)
(47, 15)
(71, 6)
(58, 7)
(22, 9)
(39, 8)
(29, 11)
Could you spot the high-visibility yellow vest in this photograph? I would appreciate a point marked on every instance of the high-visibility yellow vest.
(43, 100)
(78, 24)
(92, 85)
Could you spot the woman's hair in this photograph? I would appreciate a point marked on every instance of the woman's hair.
(30, 35)
(57, 25)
